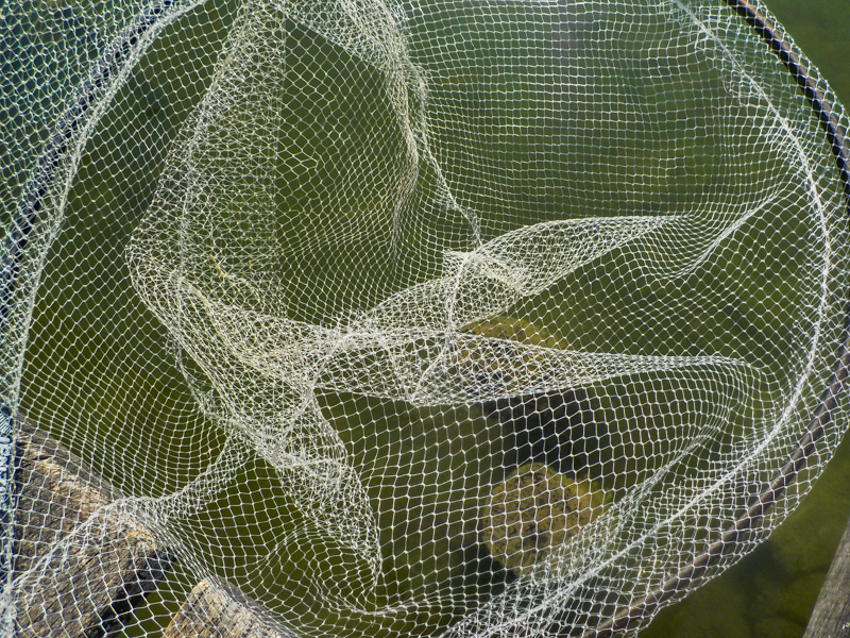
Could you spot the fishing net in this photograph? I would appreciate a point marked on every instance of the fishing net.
(407, 317)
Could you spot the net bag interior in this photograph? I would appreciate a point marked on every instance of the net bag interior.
(408, 318)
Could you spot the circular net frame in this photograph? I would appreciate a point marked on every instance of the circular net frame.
(409, 318)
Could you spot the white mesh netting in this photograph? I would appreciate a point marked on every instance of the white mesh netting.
(406, 318)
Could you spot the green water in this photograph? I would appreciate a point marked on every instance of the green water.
(771, 592)
(136, 422)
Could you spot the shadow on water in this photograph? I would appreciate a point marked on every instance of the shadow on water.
(565, 430)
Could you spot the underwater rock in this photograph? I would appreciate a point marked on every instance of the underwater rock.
(534, 511)
(210, 611)
(80, 567)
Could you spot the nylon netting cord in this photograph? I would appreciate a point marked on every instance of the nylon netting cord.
(834, 386)
(389, 318)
